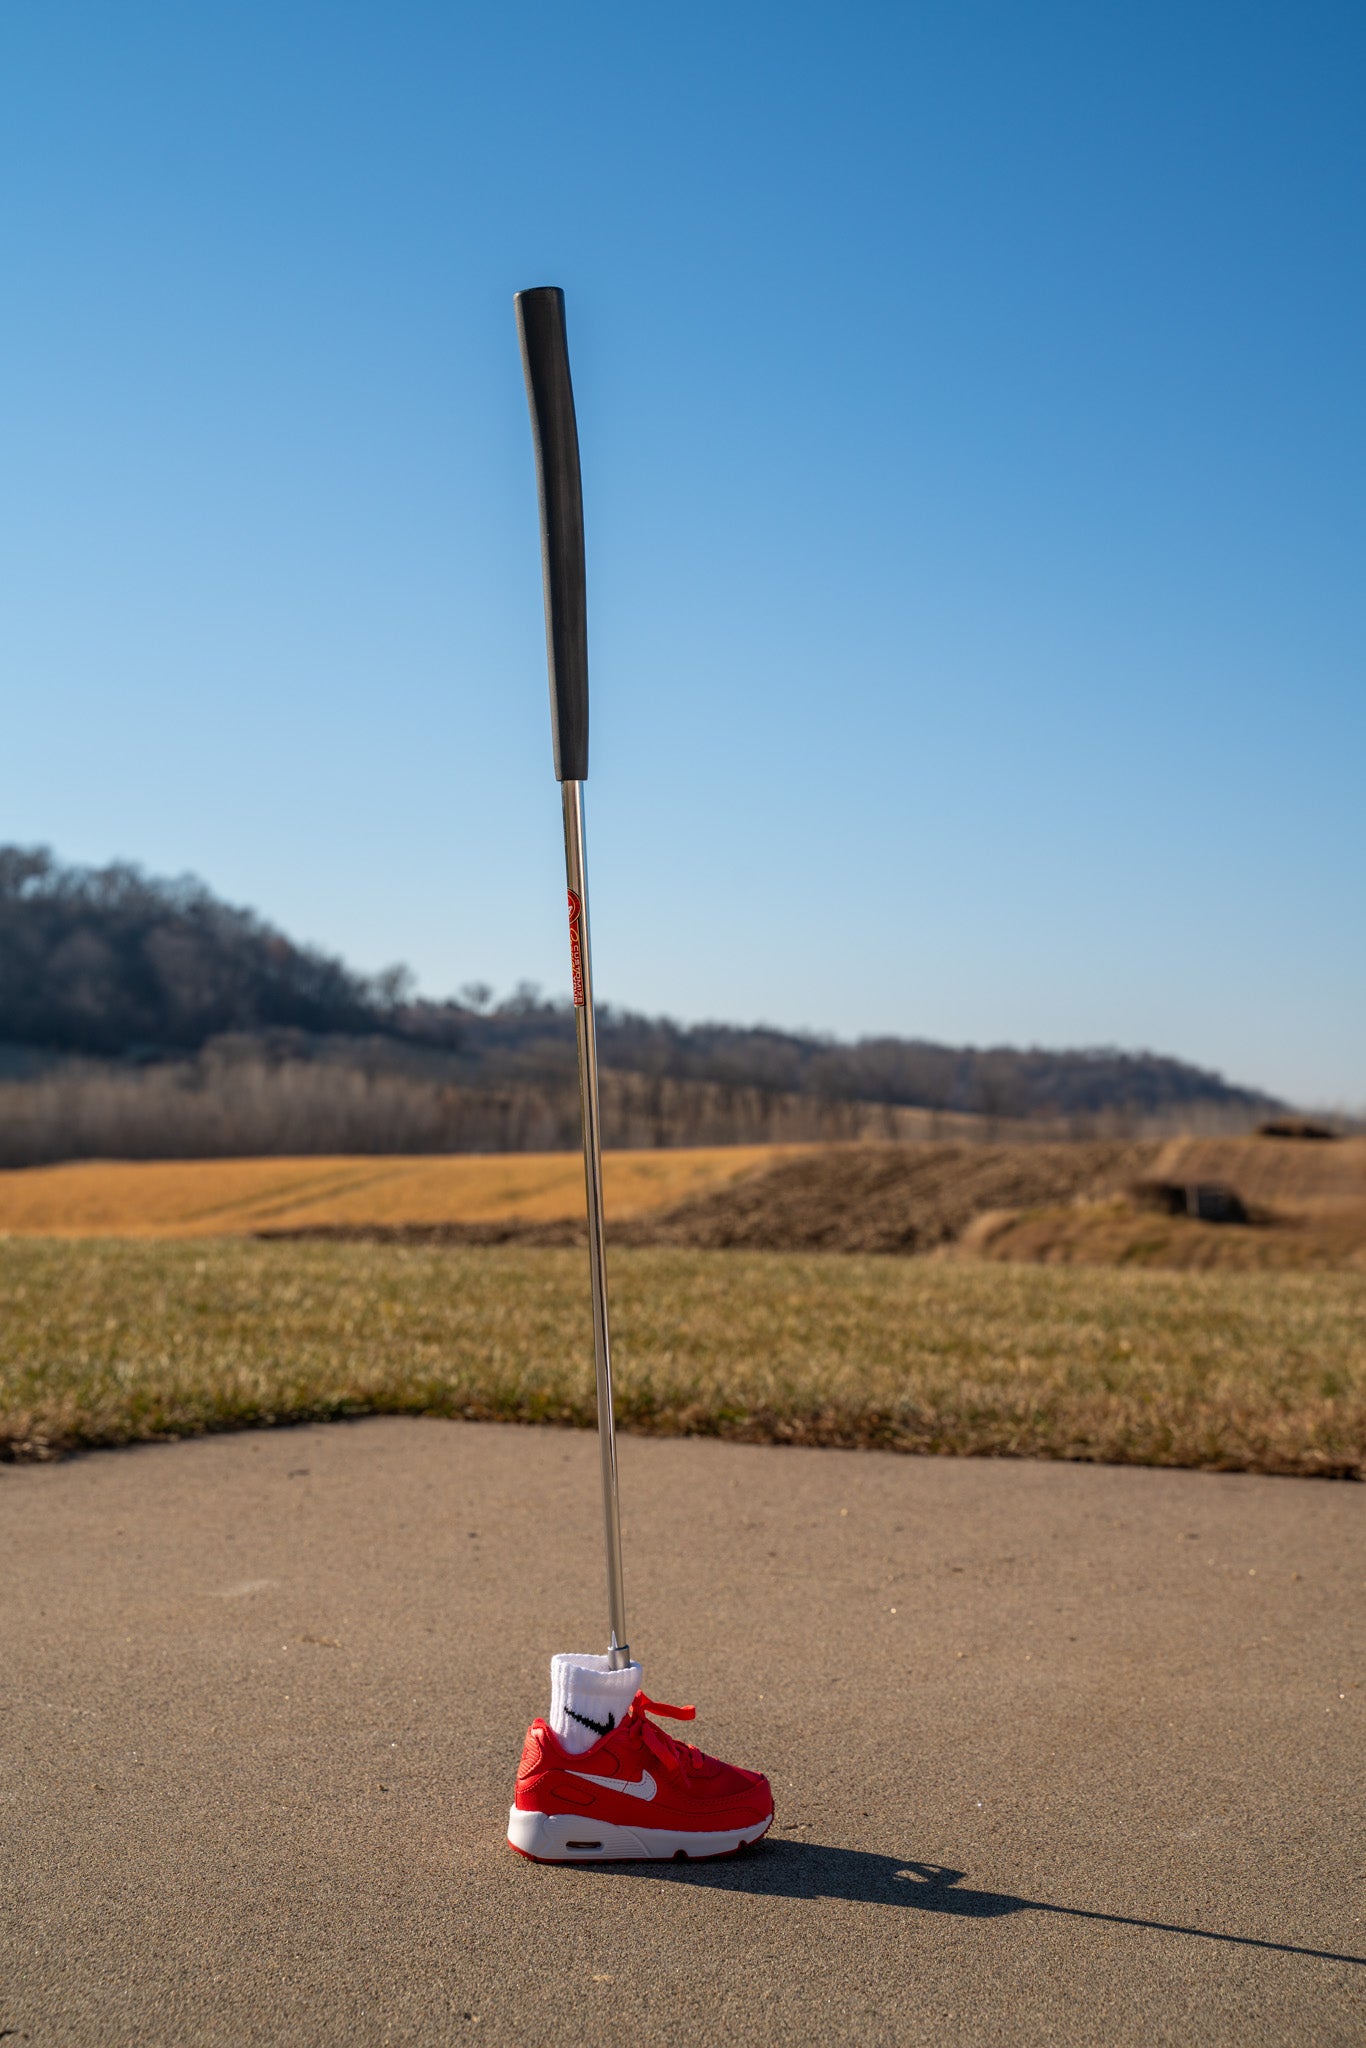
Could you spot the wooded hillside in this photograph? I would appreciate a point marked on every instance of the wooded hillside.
(141, 1016)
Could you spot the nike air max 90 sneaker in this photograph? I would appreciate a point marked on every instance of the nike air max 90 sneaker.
(637, 1792)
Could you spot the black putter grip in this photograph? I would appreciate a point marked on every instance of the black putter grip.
(545, 358)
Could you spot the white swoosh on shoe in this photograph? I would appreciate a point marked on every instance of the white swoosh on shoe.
(643, 1787)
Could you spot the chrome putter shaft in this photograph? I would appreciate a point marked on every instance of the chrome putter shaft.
(545, 360)
(581, 967)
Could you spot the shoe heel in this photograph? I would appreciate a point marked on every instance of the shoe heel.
(563, 1837)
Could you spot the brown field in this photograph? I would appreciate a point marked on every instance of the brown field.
(1059, 1203)
(243, 1197)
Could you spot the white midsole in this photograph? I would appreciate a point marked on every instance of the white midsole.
(573, 1838)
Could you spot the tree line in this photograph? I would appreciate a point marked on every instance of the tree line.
(109, 961)
(110, 964)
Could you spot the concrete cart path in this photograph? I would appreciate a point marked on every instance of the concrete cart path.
(1061, 1754)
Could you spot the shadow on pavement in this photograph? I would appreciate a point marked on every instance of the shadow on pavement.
(818, 1870)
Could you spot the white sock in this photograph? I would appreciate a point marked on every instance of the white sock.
(587, 1700)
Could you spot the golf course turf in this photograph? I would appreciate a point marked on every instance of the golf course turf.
(120, 1341)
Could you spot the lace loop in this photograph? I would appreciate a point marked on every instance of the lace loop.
(670, 1752)
(650, 1706)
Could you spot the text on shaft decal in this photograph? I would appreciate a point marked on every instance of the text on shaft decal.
(576, 948)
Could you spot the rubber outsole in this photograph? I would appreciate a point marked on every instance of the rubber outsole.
(569, 1838)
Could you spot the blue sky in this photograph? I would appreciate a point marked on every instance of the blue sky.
(972, 418)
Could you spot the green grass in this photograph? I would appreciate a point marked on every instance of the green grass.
(109, 1342)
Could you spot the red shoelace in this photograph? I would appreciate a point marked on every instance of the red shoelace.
(682, 1755)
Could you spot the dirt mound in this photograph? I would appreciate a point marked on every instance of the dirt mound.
(1300, 1181)
(889, 1198)
(1116, 1233)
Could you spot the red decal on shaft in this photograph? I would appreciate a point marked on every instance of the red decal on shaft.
(576, 948)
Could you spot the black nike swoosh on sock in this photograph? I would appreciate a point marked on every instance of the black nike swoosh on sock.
(597, 1726)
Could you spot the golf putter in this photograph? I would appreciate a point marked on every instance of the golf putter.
(545, 359)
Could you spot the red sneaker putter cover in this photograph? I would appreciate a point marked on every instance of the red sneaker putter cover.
(637, 1793)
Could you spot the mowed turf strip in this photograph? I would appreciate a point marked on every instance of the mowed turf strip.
(108, 1342)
